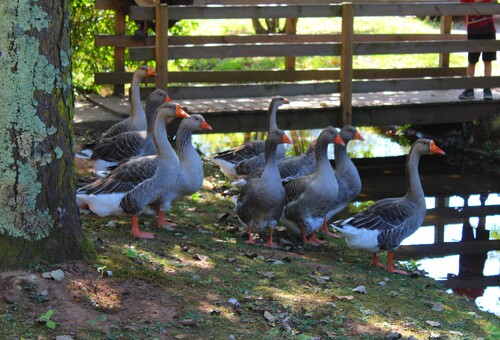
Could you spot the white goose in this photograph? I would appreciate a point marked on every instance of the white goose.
(227, 160)
(139, 182)
(386, 223)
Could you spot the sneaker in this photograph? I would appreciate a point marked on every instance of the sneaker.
(467, 94)
(487, 94)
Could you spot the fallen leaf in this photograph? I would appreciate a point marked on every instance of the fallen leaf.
(437, 306)
(202, 258)
(269, 317)
(269, 275)
(344, 297)
(360, 289)
(187, 322)
(433, 323)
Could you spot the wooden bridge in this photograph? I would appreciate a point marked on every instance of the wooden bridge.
(237, 100)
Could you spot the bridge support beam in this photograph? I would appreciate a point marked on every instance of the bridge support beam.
(346, 55)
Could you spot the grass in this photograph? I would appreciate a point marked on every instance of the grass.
(287, 293)
(362, 25)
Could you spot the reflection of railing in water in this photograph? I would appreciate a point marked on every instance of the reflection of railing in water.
(385, 177)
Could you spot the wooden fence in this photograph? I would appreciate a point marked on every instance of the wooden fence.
(289, 81)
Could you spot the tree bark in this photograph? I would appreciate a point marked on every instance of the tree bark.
(39, 217)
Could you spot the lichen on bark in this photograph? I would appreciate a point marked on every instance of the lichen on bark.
(26, 75)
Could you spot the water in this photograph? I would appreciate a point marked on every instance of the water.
(458, 188)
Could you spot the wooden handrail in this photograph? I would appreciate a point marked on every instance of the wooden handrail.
(343, 46)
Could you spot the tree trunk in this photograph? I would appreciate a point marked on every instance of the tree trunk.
(39, 217)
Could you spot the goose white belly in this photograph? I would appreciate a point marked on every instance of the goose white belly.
(360, 238)
(103, 204)
(226, 167)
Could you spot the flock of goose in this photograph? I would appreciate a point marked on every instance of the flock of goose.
(139, 170)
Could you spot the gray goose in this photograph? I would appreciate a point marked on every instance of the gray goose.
(309, 197)
(346, 173)
(289, 167)
(109, 151)
(228, 159)
(139, 182)
(190, 177)
(261, 201)
(386, 223)
(137, 118)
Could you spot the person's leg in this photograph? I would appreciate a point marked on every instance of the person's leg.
(487, 95)
(471, 70)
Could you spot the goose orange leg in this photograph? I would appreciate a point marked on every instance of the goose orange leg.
(250, 238)
(304, 237)
(137, 233)
(327, 231)
(390, 265)
(162, 222)
(375, 261)
(270, 242)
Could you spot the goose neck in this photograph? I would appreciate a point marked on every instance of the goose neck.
(135, 95)
(415, 190)
(163, 147)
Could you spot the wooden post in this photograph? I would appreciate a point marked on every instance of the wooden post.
(161, 46)
(290, 28)
(119, 62)
(346, 56)
(444, 58)
(439, 227)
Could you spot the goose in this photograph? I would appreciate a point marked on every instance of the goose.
(139, 182)
(309, 197)
(386, 223)
(346, 173)
(288, 167)
(136, 120)
(228, 159)
(137, 117)
(190, 177)
(109, 151)
(261, 201)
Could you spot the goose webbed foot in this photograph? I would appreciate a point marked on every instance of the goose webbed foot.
(135, 232)
(163, 223)
(390, 265)
(314, 240)
(270, 243)
(324, 229)
(250, 237)
(375, 261)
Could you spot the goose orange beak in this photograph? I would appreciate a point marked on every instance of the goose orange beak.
(339, 140)
(180, 113)
(151, 72)
(358, 136)
(286, 140)
(167, 99)
(206, 126)
(435, 149)
(286, 101)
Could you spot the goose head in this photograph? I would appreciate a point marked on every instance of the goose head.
(425, 147)
(349, 132)
(169, 111)
(278, 136)
(277, 102)
(330, 135)
(144, 71)
(195, 122)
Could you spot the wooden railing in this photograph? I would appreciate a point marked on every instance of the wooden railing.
(345, 80)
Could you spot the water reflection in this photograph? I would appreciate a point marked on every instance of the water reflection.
(460, 240)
